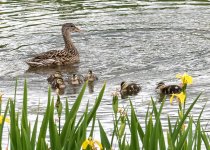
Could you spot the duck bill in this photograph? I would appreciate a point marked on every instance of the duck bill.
(77, 29)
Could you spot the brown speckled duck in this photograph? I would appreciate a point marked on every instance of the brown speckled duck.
(168, 89)
(75, 79)
(129, 88)
(66, 56)
(91, 77)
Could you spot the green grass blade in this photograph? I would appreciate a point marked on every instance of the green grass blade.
(176, 132)
(13, 125)
(205, 140)
(134, 136)
(19, 143)
(24, 122)
(183, 138)
(72, 114)
(26, 143)
(104, 139)
(96, 105)
(93, 125)
(33, 137)
(199, 136)
(44, 125)
(3, 121)
(67, 109)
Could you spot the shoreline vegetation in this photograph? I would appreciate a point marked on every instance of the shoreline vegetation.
(185, 134)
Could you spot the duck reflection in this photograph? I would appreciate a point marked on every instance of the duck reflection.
(91, 86)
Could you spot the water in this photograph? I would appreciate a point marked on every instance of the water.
(139, 41)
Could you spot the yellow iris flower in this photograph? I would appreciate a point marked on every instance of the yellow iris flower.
(185, 78)
(181, 96)
(92, 143)
(6, 119)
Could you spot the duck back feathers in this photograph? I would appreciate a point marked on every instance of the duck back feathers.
(168, 89)
(130, 89)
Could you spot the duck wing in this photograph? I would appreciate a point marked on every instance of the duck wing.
(49, 58)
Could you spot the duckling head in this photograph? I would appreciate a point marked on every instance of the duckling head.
(160, 85)
(90, 72)
(123, 85)
(74, 76)
(58, 74)
(61, 84)
(70, 27)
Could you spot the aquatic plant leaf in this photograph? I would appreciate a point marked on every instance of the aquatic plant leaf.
(33, 136)
(134, 144)
(179, 126)
(3, 121)
(44, 125)
(72, 114)
(104, 139)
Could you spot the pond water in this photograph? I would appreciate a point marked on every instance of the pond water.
(144, 42)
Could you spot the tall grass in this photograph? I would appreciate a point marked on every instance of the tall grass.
(186, 134)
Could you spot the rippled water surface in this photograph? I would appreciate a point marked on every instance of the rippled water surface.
(145, 42)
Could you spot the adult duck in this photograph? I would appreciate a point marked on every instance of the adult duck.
(66, 56)
(168, 89)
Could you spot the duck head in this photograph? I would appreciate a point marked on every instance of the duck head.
(70, 27)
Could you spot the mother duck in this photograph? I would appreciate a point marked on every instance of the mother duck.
(66, 56)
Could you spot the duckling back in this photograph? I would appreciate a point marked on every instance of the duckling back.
(130, 89)
(171, 89)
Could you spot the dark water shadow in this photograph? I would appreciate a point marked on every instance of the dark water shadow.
(50, 70)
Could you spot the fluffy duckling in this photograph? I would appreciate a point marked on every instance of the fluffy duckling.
(130, 88)
(90, 76)
(168, 89)
(58, 83)
(75, 80)
(52, 77)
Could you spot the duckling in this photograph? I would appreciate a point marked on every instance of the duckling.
(168, 89)
(58, 83)
(66, 56)
(57, 74)
(75, 80)
(129, 89)
(91, 76)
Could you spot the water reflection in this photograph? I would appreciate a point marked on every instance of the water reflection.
(69, 69)
(91, 86)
